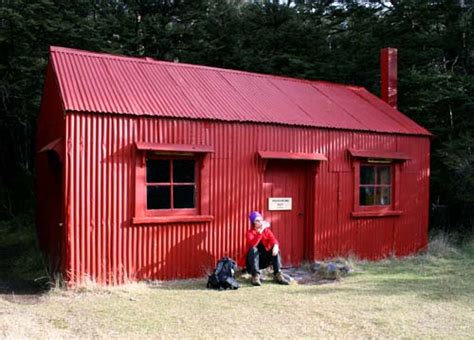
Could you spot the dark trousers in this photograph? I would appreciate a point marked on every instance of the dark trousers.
(259, 258)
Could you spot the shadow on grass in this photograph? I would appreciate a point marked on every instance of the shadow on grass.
(201, 283)
(428, 277)
(194, 284)
(22, 270)
(191, 284)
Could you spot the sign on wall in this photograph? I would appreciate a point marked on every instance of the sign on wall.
(279, 203)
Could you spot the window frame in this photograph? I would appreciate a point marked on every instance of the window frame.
(375, 185)
(392, 209)
(200, 213)
(174, 211)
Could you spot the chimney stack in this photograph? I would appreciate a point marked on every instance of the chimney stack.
(389, 80)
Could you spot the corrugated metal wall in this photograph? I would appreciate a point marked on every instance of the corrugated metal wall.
(104, 245)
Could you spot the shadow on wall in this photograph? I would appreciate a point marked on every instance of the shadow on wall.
(186, 259)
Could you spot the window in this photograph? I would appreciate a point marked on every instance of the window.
(171, 183)
(376, 182)
(375, 185)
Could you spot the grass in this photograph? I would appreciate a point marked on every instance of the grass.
(430, 295)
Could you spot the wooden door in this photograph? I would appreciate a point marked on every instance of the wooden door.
(288, 179)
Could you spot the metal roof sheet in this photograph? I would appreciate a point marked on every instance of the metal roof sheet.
(379, 154)
(174, 147)
(104, 83)
(303, 156)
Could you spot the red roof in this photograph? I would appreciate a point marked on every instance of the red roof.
(104, 83)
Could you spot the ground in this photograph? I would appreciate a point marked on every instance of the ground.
(429, 295)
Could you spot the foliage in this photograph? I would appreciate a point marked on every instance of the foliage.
(308, 39)
(21, 263)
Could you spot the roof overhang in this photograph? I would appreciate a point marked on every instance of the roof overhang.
(381, 154)
(300, 156)
(162, 147)
(57, 146)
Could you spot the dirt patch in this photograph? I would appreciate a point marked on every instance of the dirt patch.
(23, 293)
(303, 276)
(22, 299)
(315, 273)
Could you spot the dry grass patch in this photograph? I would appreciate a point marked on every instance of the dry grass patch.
(424, 296)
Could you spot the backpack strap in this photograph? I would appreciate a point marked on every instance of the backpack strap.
(219, 267)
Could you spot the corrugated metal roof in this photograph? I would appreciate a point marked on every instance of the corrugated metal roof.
(103, 83)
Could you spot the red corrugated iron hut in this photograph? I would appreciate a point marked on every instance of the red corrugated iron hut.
(148, 169)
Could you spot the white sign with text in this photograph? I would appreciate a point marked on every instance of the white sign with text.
(279, 203)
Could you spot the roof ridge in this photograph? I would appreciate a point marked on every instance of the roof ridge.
(148, 60)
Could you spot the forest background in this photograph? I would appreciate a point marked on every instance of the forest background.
(312, 40)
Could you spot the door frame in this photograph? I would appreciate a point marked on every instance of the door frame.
(310, 171)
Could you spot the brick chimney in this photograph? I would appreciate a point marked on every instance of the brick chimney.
(389, 80)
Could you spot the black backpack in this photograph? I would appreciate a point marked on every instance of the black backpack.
(223, 275)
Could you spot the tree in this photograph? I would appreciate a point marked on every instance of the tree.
(306, 39)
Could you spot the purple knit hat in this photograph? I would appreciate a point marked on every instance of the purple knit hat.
(253, 216)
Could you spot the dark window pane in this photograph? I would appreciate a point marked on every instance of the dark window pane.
(383, 175)
(366, 196)
(158, 197)
(157, 171)
(183, 196)
(383, 196)
(183, 171)
(367, 175)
